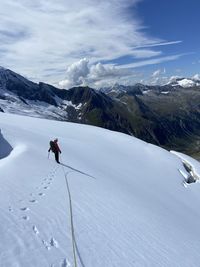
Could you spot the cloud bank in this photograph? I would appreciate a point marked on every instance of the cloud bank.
(83, 73)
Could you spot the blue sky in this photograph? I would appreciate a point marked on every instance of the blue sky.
(175, 20)
(98, 43)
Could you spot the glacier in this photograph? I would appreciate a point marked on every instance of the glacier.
(129, 205)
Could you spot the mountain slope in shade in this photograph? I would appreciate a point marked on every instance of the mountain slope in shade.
(130, 207)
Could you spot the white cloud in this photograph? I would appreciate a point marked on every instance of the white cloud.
(196, 62)
(39, 37)
(152, 61)
(162, 44)
(156, 73)
(158, 77)
(84, 73)
(174, 78)
(196, 77)
(99, 71)
(76, 74)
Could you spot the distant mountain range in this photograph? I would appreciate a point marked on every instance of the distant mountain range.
(167, 115)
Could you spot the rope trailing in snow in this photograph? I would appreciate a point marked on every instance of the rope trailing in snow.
(71, 219)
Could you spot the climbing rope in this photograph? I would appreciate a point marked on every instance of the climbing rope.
(71, 218)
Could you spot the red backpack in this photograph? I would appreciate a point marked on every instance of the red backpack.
(53, 146)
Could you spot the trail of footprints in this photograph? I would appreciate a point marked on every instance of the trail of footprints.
(45, 185)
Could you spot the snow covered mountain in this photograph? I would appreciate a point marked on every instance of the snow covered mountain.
(130, 206)
(79, 104)
(139, 88)
(117, 89)
(184, 82)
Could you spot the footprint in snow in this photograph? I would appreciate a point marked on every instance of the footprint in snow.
(26, 218)
(53, 243)
(10, 209)
(46, 187)
(33, 201)
(45, 243)
(41, 194)
(24, 209)
(65, 263)
(35, 230)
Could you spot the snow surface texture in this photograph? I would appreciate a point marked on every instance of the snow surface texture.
(130, 207)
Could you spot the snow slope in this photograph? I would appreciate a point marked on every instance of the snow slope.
(129, 205)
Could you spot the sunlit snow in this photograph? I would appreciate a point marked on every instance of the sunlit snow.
(130, 205)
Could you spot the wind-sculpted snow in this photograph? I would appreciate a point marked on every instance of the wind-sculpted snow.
(129, 205)
(192, 167)
(9, 153)
(5, 147)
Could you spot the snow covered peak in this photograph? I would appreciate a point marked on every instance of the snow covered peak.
(118, 86)
(184, 82)
(196, 77)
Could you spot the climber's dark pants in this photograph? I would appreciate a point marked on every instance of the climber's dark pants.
(57, 156)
